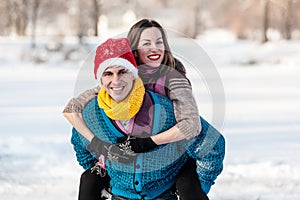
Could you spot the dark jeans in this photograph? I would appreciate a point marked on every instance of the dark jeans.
(168, 195)
(91, 185)
(188, 184)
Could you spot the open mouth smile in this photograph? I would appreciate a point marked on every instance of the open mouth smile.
(116, 88)
(154, 57)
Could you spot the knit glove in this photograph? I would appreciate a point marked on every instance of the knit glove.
(113, 152)
(138, 145)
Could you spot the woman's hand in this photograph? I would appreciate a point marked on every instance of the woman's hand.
(136, 144)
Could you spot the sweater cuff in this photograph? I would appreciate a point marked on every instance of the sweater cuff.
(205, 187)
(73, 107)
(189, 130)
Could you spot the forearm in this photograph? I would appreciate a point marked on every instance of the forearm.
(72, 112)
(78, 123)
(185, 108)
(171, 135)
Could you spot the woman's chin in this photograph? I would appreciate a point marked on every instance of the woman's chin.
(154, 65)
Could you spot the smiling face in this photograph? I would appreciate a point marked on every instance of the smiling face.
(118, 82)
(151, 47)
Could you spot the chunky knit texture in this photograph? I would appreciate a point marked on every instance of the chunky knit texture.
(208, 148)
(157, 169)
(179, 90)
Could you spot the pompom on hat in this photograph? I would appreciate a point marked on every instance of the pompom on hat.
(114, 52)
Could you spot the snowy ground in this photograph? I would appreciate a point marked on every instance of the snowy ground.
(261, 127)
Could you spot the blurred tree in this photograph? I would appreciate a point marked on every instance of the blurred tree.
(283, 17)
(5, 17)
(241, 17)
(34, 18)
(296, 19)
(197, 21)
(190, 20)
(248, 19)
(89, 13)
(19, 16)
(287, 30)
(266, 9)
(96, 15)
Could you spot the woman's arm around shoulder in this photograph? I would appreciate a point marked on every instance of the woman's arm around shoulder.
(72, 112)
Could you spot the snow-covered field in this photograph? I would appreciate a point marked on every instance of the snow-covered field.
(261, 126)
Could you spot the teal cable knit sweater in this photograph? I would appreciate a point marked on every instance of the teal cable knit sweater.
(157, 169)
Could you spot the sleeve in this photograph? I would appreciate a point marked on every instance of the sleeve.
(185, 107)
(84, 157)
(75, 105)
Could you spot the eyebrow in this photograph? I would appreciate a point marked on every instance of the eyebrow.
(107, 72)
(120, 70)
(147, 40)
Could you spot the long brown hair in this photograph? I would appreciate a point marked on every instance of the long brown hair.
(134, 35)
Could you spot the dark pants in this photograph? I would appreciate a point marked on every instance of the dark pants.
(91, 185)
(167, 195)
(188, 184)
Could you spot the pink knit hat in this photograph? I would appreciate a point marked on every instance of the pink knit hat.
(114, 52)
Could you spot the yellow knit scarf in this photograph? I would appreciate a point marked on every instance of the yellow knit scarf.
(126, 109)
